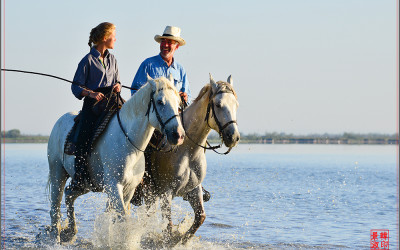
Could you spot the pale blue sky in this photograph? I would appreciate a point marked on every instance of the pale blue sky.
(299, 66)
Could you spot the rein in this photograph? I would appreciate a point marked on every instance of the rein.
(187, 135)
(220, 127)
(147, 114)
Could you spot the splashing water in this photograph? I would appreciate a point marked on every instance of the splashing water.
(143, 229)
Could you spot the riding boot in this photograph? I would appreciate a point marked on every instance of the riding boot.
(80, 182)
(206, 195)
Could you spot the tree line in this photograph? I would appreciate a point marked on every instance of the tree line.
(344, 138)
(14, 135)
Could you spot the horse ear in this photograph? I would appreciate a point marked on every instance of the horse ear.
(230, 81)
(212, 82)
(171, 79)
(152, 82)
(211, 79)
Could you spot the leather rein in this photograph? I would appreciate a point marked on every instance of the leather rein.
(151, 102)
(210, 106)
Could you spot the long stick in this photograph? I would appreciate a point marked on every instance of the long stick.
(59, 78)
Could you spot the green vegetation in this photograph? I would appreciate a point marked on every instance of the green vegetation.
(15, 136)
(345, 138)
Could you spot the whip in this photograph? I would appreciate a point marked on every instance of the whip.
(53, 76)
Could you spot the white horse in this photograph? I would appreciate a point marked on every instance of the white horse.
(116, 165)
(180, 172)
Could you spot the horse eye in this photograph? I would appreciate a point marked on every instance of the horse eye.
(218, 105)
(160, 102)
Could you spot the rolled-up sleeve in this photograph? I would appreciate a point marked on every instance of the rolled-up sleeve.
(80, 77)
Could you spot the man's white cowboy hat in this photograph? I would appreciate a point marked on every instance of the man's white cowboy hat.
(173, 33)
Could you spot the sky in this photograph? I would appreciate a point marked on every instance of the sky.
(298, 66)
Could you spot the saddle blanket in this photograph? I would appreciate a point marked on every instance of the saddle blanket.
(69, 145)
(105, 110)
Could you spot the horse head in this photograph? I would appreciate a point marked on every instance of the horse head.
(222, 109)
(163, 109)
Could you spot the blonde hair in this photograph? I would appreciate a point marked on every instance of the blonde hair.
(101, 31)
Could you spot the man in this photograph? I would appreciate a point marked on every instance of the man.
(163, 64)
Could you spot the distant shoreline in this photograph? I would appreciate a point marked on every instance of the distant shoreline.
(14, 136)
(321, 142)
(259, 141)
(7, 140)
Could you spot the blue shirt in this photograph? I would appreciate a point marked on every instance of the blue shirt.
(156, 67)
(93, 74)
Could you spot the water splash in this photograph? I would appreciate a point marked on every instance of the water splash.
(143, 229)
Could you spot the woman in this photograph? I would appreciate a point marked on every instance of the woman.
(96, 76)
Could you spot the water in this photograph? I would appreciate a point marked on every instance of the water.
(263, 197)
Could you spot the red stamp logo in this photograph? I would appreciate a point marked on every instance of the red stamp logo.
(379, 239)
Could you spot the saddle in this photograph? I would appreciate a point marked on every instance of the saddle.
(105, 110)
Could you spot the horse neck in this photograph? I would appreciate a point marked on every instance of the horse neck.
(194, 120)
(133, 117)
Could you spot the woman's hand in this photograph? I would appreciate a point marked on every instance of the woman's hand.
(96, 95)
(117, 88)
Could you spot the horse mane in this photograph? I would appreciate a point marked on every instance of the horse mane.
(138, 99)
(221, 86)
(203, 91)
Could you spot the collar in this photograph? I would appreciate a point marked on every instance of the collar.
(94, 52)
(173, 64)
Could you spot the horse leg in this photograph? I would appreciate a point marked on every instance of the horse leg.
(195, 198)
(149, 193)
(57, 180)
(70, 197)
(116, 198)
(166, 202)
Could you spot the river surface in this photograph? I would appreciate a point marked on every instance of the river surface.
(263, 197)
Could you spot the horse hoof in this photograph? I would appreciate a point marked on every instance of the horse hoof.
(68, 235)
(186, 238)
(118, 218)
(53, 233)
(48, 236)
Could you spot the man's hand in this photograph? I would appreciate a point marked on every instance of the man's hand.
(184, 95)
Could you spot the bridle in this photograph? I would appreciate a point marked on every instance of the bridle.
(210, 106)
(151, 102)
